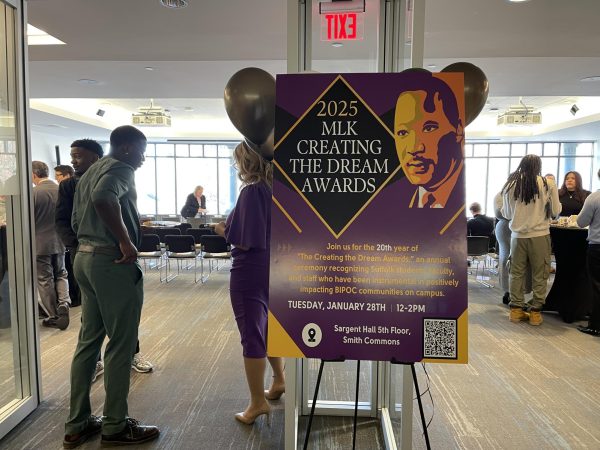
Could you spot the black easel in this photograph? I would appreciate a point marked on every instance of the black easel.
(416, 384)
(316, 394)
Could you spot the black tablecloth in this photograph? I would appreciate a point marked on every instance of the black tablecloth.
(571, 294)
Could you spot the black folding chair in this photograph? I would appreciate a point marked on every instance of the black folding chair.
(150, 250)
(477, 251)
(164, 231)
(184, 227)
(197, 233)
(213, 248)
(180, 248)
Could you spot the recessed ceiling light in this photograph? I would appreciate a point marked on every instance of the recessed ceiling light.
(87, 81)
(593, 78)
(174, 3)
(149, 68)
(518, 1)
(337, 44)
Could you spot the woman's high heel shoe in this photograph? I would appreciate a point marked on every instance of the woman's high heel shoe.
(250, 419)
(274, 394)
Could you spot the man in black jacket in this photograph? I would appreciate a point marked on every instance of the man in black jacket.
(481, 225)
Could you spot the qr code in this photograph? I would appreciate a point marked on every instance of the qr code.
(439, 338)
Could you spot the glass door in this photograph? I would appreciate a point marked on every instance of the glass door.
(19, 387)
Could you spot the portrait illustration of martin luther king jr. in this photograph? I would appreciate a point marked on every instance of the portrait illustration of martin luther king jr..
(428, 134)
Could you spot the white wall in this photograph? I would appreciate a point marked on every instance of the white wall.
(42, 149)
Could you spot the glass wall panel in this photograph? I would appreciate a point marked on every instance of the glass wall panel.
(165, 150)
(518, 149)
(480, 150)
(165, 183)
(476, 173)
(499, 149)
(15, 360)
(192, 172)
(551, 149)
(550, 165)
(182, 150)
(145, 184)
(534, 148)
(497, 176)
(229, 185)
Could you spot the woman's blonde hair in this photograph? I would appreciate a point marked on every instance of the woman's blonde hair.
(252, 168)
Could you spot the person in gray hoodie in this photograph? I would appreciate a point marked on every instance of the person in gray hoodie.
(529, 201)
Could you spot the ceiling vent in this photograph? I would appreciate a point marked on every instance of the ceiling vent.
(151, 116)
(520, 115)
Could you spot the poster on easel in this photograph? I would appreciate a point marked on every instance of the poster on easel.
(368, 231)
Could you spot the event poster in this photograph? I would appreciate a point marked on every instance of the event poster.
(368, 231)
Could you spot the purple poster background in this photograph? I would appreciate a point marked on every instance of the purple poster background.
(361, 275)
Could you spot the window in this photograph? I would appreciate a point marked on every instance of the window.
(172, 171)
(558, 158)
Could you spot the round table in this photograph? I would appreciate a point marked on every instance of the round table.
(571, 293)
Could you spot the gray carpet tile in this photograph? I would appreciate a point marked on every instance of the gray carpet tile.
(524, 388)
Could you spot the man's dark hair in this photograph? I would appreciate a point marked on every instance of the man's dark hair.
(524, 179)
(40, 169)
(65, 170)
(89, 144)
(125, 135)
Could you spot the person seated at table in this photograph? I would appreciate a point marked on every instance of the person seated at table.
(571, 194)
(481, 225)
(590, 215)
(194, 204)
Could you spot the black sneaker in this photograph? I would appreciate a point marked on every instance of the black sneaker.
(94, 426)
(50, 322)
(133, 433)
(589, 330)
(62, 321)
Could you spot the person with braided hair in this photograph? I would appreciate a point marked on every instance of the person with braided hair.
(529, 202)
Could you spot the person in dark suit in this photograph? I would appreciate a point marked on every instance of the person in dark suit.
(480, 224)
(194, 204)
(52, 282)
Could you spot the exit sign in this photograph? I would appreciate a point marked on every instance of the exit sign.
(346, 26)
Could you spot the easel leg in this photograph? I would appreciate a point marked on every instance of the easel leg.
(414, 374)
(356, 404)
(314, 404)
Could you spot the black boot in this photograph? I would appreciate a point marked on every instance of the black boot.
(506, 298)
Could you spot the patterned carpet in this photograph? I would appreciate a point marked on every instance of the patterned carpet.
(525, 387)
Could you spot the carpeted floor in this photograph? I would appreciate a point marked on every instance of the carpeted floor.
(524, 388)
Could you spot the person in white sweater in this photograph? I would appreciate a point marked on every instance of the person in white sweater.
(529, 202)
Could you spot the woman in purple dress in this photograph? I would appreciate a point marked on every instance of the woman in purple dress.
(248, 229)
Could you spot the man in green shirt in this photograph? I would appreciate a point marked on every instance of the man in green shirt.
(106, 221)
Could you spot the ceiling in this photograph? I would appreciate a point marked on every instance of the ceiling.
(538, 50)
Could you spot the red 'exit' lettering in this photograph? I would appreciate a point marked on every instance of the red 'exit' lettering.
(341, 26)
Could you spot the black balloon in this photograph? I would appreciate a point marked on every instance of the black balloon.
(415, 70)
(266, 149)
(476, 88)
(250, 103)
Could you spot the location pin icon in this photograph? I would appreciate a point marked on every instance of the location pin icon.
(311, 334)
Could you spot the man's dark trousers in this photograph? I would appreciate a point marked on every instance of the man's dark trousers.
(112, 297)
